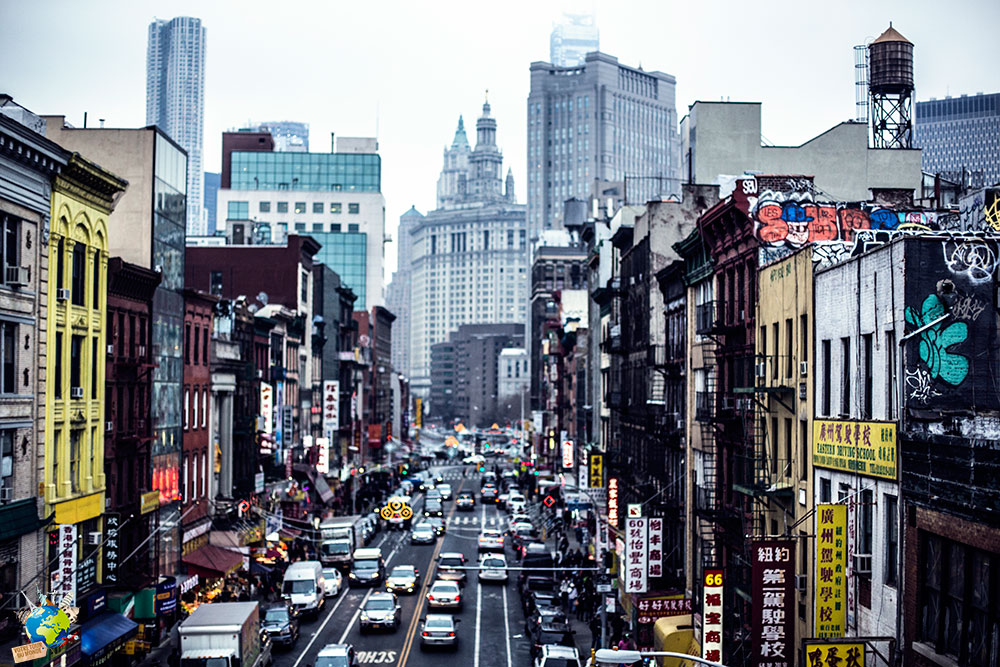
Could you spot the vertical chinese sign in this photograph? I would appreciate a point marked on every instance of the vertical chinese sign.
(655, 547)
(418, 412)
(711, 617)
(323, 456)
(773, 602)
(266, 418)
(596, 464)
(636, 567)
(831, 570)
(331, 407)
(112, 555)
(63, 580)
(567, 453)
(582, 474)
(613, 501)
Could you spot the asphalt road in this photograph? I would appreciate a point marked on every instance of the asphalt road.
(491, 632)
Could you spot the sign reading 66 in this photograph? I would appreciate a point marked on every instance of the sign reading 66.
(712, 616)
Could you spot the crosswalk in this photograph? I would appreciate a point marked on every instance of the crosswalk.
(476, 520)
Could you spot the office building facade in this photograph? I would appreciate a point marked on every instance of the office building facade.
(398, 292)
(598, 130)
(175, 98)
(573, 38)
(959, 135)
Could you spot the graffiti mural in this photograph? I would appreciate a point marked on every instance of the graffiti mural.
(950, 356)
(830, 253)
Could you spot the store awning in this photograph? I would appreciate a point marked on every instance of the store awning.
(317, 480)
(104, 634)
(213, 562)
(18, 518)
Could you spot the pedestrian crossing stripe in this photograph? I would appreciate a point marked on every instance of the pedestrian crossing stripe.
(473, 520)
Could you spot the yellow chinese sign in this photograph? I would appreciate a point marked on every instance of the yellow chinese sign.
(865, 448)
(831, 570)
(844, 655)
(419, 421)
(596, 465)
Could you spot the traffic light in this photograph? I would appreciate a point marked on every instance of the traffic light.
(406, 469)
(482, 468)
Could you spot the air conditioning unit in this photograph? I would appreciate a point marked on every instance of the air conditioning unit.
(6, 494)
(109, 426)
(94, 537)
(16, 276)
(140, 424)
(679, 573)
(260, 374)
(76, 392)
(111, 350)
(801, 581)
(142, 351)
(862, 563)
(761, 369)
(62, 294)
(804, 368)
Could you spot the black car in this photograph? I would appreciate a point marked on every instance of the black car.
(535, 600)
(529, 584)
(488, 494)
(550, 633)
(281, 624)
(543, 615)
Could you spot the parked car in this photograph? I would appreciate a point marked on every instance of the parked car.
(555, 656)
(382, 610)
(439, 630)
(281, 624)
(444, 595)
(549, 634)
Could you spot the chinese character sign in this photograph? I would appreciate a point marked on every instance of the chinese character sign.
(773, 603)
(636, 565)
(267, 405)
(323, 455)
(581, 473)
(865, 448)
(711, 616)
(331, 407)
(655, 547)
(840, 655)
(418, 413)
(653, 607)
(63, 578)
(567, 453)
(613, 501)
(596, 465)
(831, 570)
(112, 554)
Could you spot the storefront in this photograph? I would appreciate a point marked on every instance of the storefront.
(103, 638)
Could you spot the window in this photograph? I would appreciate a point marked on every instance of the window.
(204, 346)
(891, 539)
(789, 359)
(788, 446)
(60, 264)
(317, 226)
(890, 374)
(238, 210)
(194, 407)
(845, 380)
(96, 285)
(187, 480)
(305, 286)
(187, 342)
(774, 364)
(827, 382)
(204, 406)
(336, 207)
(10, 247)
(75, 438)
(58, 365)
(194, 345)
(866, 341)
(215, 283)
(282, 207)
(94, 358)
(775, 448)
(335, 227)
(318, 207)
(865, 509)
(56, 472)
(8, 380)
(486, 239)
(7, 460)
(265, 207)
(353, 227)
(762, 346)
(354, 209)
(825, 491)
(805, 453)
(75, 352)
(300, 226)
(187, 406)
(79, 273)
(300, 207)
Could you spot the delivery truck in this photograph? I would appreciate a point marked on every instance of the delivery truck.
(224, 634)
(339, 537)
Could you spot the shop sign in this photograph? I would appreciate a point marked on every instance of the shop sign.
(149, 502)
(636, 565)
(655, 547)
(258, 483)
(596, 465)
(582, 472)
(419, 416)
(634, 510)
(200, 529)
(773, 601)
(864, 448)
(112, 555)
(323, 455)
(331, 406)
(567, 453)
(278, 431)
(613, 501)
(86, 574)
(831, 570)
(27, 652)
(711, 616)
(823, 655)
(651, 608)
(267, 406)
(63, 580)
(166, 596)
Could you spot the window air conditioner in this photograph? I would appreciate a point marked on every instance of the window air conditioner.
(862, 563)
(142, 351)
(76, 392)
(62, 294)
(761, 369)
(109, 426)
(801, 581)
(804, 368)
(111, 349)
(94, 538)
(6, 494)
(16, 276)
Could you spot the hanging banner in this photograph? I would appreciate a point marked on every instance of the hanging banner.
(582, 471)
(323, 456)
(865, 448)
(636, 554)
(63, 579)
(419, 412)
(711, 616)
(279, 442)
(596, 465)
(655, 547)
(773, 603)
(112, 555)
(831, 570)
(266, 406)
(652, 607)
(331, 407)
(613, 501)
(567, 453)
(824, 655)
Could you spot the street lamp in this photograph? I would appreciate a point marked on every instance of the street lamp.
(616, 656)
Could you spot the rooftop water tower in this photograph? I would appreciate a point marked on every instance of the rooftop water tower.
(890, 69)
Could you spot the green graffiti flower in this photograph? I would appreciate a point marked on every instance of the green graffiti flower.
(935, 341)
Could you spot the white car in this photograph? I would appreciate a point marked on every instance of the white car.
(334, 581)
(475, 458)
(551, 655)
(445, 490)
(491, 540)
(444, 594)
(493, 567)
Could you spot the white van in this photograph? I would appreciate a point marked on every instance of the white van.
(305, 586)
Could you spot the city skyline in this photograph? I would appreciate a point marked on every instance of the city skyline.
(383, 89)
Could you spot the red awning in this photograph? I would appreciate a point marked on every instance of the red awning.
(212, 562)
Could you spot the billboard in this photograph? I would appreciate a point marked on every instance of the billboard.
(323, 455)
(831, 570)
(568, 454)
(773, 602)
(636, 556)
(864, 448)
(331, 407)
(63, 578)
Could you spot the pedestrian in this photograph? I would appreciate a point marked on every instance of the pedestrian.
(574, 601)
(595, 631)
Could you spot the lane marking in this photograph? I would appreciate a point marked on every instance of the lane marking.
(506, 624)
(357, 613)
(343, 596)
(479, 618)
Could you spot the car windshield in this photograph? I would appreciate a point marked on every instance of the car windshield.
(403, 571)
(277, 614)
(491, 533)
(334, 661)
(449, 588)
(331, 548)
(366, 565)
(383, 604)
(331, 573)
(493, 562)
(465, 496)
(299, 586)
(423, 529)
(438, 624)
(451, 562)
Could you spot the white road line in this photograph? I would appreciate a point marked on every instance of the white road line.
(479, 618)
(343, 596)
(506, 624)
(354, 619)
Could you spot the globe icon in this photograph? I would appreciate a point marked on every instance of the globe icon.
(47, 624)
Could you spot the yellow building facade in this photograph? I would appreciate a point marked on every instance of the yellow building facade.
(784, 396)
(83, 197)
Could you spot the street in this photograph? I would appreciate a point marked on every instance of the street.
(491, 632)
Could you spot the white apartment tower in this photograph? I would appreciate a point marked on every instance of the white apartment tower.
(175, 99)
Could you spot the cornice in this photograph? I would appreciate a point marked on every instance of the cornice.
(91, 183)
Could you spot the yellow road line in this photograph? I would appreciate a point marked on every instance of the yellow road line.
(411, 630)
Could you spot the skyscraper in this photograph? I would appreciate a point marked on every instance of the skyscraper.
(960, 133)
(290, 136)
(175, 98)
(573, 38)
(596, 131)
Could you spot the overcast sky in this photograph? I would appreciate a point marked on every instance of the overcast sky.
(410, 68)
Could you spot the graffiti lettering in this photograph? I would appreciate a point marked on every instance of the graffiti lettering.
(968, 308)
(919, 382)
(942, 363)
(830, 252)
(975, 258)
(991, 209)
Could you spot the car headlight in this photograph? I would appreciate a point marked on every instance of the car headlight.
(364, 616)
(352, 575)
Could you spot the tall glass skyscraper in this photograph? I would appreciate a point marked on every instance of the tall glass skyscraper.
(960, 133)
(573, 38)
(175, 98)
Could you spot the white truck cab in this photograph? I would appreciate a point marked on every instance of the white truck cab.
(305, 586)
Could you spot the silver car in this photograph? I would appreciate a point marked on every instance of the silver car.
(439, 630)
(444, 595)
(493, 567)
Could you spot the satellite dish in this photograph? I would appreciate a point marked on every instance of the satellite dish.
(262, 297)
